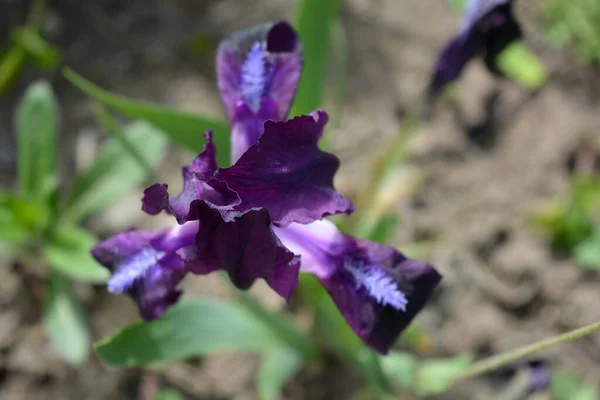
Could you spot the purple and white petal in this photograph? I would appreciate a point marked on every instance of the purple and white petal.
(377, 289)
(287, 174)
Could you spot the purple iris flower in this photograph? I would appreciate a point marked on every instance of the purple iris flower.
(262, 218)
(488, 27)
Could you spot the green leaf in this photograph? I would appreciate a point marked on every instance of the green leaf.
(182, 128)
(113, 127)
(114, 172)
(315, 22)
(188, 329)
(517, 62)
(11, 65)
(36, 122)
(169, 394)
(277, 367)
(42, 53)
(400, 367)
(437, 376)
(65, 322)
(26, 215)
(565, 386)
(377, 230)
(587, 253)
(68, 252)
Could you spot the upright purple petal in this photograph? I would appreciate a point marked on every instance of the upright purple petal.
(488, 27)
(147, 265)
(377, 289)
(199, 185)
(287, 174)
(257, 74)
(246, 248)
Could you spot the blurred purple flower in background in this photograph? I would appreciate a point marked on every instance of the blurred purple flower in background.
(262, 218)
(488, 27)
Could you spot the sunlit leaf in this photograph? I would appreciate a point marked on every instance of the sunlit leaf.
(277, 367)
(518, 63)
(41, 52)
(188, 329)
(114, 172)
(36, 124)
(587, 253)
(65, 321)
(182, 128)
(68, 252)
(315, 23)
(401, 368)
(11, 63)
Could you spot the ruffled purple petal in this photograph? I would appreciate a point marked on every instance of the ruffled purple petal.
(198, 186)
(377, 289)
(147, 265)
(287, 174)
(247, 249)
(488, 27)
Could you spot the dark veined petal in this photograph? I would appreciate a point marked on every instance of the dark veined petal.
(198, 186)
(287, 174)
(377, 289)
(247, 249)
(146, 265)
(264, 61)
(488, 27)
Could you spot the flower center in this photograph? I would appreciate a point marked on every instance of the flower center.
(377, 283)
(254, 74)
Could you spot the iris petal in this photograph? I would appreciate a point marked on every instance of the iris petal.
(376, 288)
(287, 174)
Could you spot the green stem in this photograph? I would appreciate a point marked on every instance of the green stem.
(499, 360)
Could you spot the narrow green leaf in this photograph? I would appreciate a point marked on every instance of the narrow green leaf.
(65, 321)
(437, 376)
(11, 229)
(315, 22)
(277, 368)
(517, 62)
(182, 128)
(114, 172)
(11, 65)
(188, 329)
(36, 123)
(169, 394)
(113, 127)
(41, 52)
(68, 252)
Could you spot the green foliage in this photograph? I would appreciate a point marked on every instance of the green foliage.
(182, 128)
(565, 386)
(115, 172)
(189, 329)
(65, 321)
(277, 367)
(575, 23)
(518, 63)
(316, 19)
(36, 123)
(570, 223)
(168, 394)
(425, 377)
